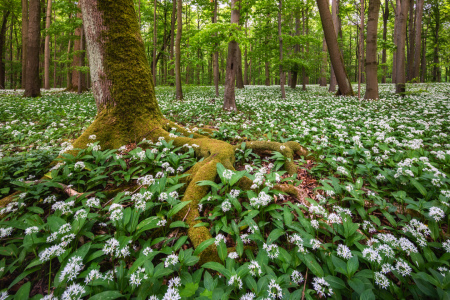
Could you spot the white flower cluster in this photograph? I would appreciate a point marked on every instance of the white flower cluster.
(262, 200)
(72, 269)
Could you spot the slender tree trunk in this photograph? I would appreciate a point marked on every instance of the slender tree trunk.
(81, 77)
(69, 72)
(32, 87)
(384, 53)
(396, 29)
(216, 54)
(154, 42)
(47, 46)
(229, 96)
(337, 60)
(371, 48)
(418, 39)
(323, 76)
(361, 46)
(402, 8)
(423, 74)
(77, 63)
(295, 68)
(24, 40)
(178, 89)
(54, 53)
(436, 67)
(304, 50)
(246, 82)
(2, 49)
(280, 38)
(334, 16)
(172, 43)
(410, 45)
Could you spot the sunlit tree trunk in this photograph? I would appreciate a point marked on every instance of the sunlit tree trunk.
(229, 96)
(337, 60)
(32, 86)
(47, 46)
(178, 89)
(402, 10)
(384, 54)
(371, 51)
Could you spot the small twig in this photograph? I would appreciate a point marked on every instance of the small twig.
(304, 285)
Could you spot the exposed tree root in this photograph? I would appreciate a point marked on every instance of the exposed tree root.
(211, 150)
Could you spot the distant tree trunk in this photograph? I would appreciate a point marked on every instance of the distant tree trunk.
(436, 67)
(216, 55)
(246, 81)
(361, 48)
(305, 50)
(323, 76)
(384, 54)
(69, 72)
(154, 43)
(47, 46)
(239, 77)
(334, 16)
(178, 89)
(424, 57)
(229, 96)
(394, 56)
(77, 63)
(418, 40)
(402, 8)
(337, 60)
(32, 87)
(2, 49)
(24, 40)
(172, 43)
(280, 38)
(81, 77)
(410, 45)
(267, 70)
(295, 68)
(371, 48)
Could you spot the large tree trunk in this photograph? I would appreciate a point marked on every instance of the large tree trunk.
(81, 77)
(371, 51)
(172, 43)
(280, 38)
(436, 67)
(423, 62)
(410, 44)
(334, 16)
(361, 48)
(178, 89)
(402, 11)
(229, 102)
(47, 46)
(418, 40)
(33, 87)
(396, 29)
(24, 40)
(2, 49)
(337, 61)
(384, 54)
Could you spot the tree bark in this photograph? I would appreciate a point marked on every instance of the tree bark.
(47, 46)
(32, 87)
(410, 45)
(436, 67)
(295, 68)
(230, 76)
(418, 40)
(172, 43)
(371, 51)
(334, 16)
(77, 63)
(337, 60)
(81, 77)
(239, 77)
(384, 53)
(24, 39)
(2, 49)
(423, 74)
(361, 48)
(402, 8)
(178, 89)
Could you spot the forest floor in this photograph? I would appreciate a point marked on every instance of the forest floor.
(369, 216)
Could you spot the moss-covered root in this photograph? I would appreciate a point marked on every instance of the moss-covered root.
(288, 149)
(8, 199)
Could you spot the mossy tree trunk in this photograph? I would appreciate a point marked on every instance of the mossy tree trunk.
(128, 111)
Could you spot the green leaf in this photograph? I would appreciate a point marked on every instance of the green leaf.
(214, 266)
(335, 282)
(205, 244)
(179, 224)
(222, 250)
(22, 276)
(310, 261)
(107, 295)
(24, 292)
(352, 265)
(189, 290)
(180, 242)
(274, 235)
(418, 186)
(177, 208)
(367, 295)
